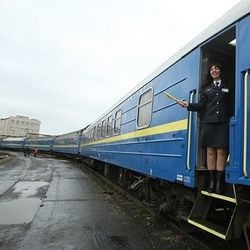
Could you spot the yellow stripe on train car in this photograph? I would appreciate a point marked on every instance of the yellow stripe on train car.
(165, 128)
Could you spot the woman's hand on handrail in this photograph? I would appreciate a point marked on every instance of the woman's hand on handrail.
(183, 103)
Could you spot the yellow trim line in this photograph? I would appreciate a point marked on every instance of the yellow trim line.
(222, 197)
(207, 229)
(165, 128)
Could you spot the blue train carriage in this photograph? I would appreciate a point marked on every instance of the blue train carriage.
(13, 143)
(42, 143)
(1, 140)
(157, 144)
(68, 144)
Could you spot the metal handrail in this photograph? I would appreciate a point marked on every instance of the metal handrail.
(245, 124)
(189, 132)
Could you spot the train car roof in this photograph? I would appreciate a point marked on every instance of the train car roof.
(77, 132)
(14, 139)
(237, 12)
(44, 138)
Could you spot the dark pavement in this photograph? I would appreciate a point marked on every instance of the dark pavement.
(48, 203)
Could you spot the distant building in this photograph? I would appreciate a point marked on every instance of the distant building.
(19, 126)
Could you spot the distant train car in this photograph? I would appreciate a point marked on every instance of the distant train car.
(1, 140)
(43, 143)
(11, 143)
(154, 142)
(68, 143)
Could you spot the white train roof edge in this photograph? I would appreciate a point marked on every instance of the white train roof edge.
(14, 139)
(237, 12)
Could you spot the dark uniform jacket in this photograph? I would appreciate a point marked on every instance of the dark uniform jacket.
(216, 103)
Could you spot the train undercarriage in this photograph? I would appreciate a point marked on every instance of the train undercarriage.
(226, 216)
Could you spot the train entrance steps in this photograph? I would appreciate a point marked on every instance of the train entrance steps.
(215, 213)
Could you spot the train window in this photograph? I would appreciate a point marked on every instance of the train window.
(94, 133)
(103, 129)
(88, 136)
(91, 135)
(109, 126)
(98, 132)
(117, 123)
(145, 109)
(84, 137)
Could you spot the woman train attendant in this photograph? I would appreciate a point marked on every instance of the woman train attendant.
(215, 101)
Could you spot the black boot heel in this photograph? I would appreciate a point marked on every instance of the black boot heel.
(219, 182)
(211, 185)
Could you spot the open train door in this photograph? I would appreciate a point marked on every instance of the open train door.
(220, 49)
(239, 165)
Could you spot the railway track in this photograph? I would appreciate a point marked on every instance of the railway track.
(154, 213)
(200, 239)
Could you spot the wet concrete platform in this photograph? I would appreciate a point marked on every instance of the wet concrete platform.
(52, 204)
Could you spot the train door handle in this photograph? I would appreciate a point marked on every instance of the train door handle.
(191, 98)
(245, 124)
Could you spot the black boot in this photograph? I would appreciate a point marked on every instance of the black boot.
(211, 174)
(219, 182)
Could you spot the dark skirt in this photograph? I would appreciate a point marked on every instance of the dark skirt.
(215, 135)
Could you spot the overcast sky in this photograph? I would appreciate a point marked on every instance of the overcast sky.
(65, 62)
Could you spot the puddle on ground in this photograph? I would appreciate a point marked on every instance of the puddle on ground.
(21, 204)
(27, 189)
(18, 211)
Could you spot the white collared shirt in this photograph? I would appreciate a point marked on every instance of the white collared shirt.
(219, 81)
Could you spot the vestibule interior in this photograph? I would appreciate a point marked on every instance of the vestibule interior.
(222, 50)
